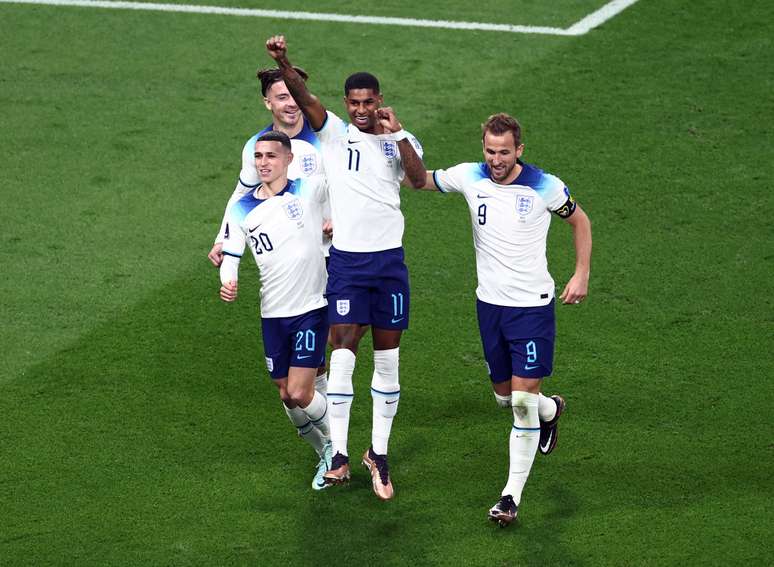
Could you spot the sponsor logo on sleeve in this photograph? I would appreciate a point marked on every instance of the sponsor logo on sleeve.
(270, 364)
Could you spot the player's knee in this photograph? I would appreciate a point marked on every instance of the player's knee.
(345, 336)
(299, 395)
(286, 398)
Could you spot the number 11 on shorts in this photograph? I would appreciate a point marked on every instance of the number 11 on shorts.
(397, 307)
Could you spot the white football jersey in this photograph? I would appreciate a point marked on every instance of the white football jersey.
(307, 161)
(510, 228)
(283, 233)
(364, 172)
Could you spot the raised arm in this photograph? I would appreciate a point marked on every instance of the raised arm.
(309, 104)
(577, 288)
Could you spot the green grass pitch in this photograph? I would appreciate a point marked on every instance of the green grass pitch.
(137, 423)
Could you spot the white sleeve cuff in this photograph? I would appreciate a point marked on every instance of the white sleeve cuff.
(229, 269)
(394, 136)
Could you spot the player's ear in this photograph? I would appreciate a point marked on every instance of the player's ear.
(266, 102)
(519, 150)
(290, 157)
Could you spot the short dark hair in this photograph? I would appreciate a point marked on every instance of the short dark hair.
(499, 124)
(273, 75)
(275, 136)
(361, 80)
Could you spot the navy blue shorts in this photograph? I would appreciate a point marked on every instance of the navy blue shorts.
(368, 288)
(295, 341)
(518, 341)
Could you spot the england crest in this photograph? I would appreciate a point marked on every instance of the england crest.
(389, 149)
(523, 205)
(293, 209)
(308, 164)
(342, 306)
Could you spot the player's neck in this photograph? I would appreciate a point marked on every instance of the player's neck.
(268, 190)
(515, 172)
(291, 131)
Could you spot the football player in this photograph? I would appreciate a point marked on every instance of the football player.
(279, 220)
(365, 162)
(511, 204)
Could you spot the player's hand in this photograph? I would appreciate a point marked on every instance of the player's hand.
(277, 47)
(328, 228)
(216, 254)
(388, 120)
(576, 290)
(228, 291)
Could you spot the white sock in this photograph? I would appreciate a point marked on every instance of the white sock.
(340, 396)
(546, 408)
(385, 391)
(306, 430)
(503, 401)
(317, 412)
(525, 435)
(321, 383)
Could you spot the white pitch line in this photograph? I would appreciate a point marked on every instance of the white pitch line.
(595, 19)
(583, 26)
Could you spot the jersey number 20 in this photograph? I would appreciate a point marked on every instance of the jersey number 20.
(261, 243)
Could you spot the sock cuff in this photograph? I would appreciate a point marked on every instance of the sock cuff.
(297, 416)
(386, 355)
(519, 398)
(343, 357)
(503, 401)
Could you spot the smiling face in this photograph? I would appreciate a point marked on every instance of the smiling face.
(282, 105)
(271, 160)
(361, 107)
(501, 154)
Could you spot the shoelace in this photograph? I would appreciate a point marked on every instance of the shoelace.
(381, 466)
(506, 503)
(338, 460)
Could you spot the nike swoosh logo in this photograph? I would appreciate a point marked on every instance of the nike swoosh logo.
(388, 402)
(353, 141)
(299, 357)
(484, 196)
(528, 367)
(253, 229)
(338, 403)
(397, 320)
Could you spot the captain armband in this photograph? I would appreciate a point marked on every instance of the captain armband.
(566, 210)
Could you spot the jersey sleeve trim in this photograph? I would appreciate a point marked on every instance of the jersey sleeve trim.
(322, 127)
(227, 253)
(247, 185)
(437, 184)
